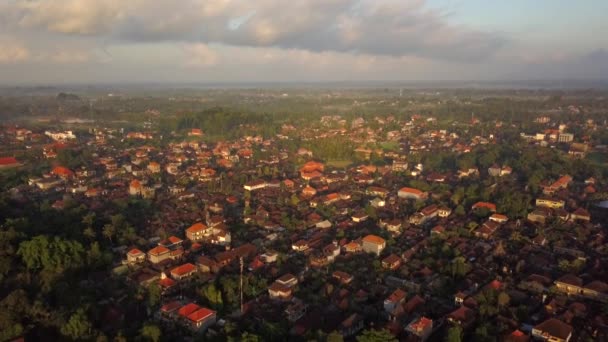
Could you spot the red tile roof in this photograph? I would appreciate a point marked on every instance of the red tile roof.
(374, 239)
(135, 252)
(183, 269)
(174, 239)
(171, 306)
(488, 205)
(166, 282)
(197, 227)
(8, 161)
(158, 250)
(62, 171)
(411, 191)
(200, 315)
(188, 309)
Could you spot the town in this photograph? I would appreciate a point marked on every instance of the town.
(409, 221)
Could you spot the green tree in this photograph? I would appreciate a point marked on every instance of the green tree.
(249, 337)
(108, 231)
(78, 326)
(151, 332)
(154, 294)
(373, 335)
(503, 299)
(454, 334)
(334, 337)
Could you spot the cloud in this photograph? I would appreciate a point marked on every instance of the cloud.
(369, 27)
(12, 51)
(200, 55)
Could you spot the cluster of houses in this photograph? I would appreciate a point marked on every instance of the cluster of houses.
(379, 242)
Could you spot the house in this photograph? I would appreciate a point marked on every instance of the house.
(391, 262)
(411, 193)
(373, 244)
(159, 254)
(424, 215)
(279, 291)
(597, 290)
(393, 226)
(481, 205)
(295, 310)
(539, 215)
(487, 229)
(8, 162)
(360, 217)
(166, 284)
(437, 230)
(421, 328)
(494, 170)
(499, 218)
(342, 277)
(377, 191)
(399, 165)
(255, 185)
(135, 256)
(288, 280)
(394, 299)
(183, 271)
(351, 326)
(62, 172)
(462, 316)
(561, 183)
(580, 214)
(549, 202)
(352, 247)
(135, 188)
(154, 167)
(172, 242)
(196, 232)
(553, 330)
(300, 246)
(459, 298)
(517, 336)
(444, 212)
(201, 319)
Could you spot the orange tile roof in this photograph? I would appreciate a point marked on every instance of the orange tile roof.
(397, 296)
(135, 251)
(62, 171)
(166, 282)
(197, 227)
(499, 217)
(183, 269)
(187, 309)
(411, 191)
(174, 239)
(490, 206)
(171, 306)
(158, 250)
(200, 315)
(8, 161)
(375, 239)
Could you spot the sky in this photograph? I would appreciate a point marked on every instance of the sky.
(207, 41)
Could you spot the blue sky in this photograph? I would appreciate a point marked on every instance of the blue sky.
(92, 41)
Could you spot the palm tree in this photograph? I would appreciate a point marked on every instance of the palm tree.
(109, 231)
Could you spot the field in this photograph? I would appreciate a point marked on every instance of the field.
(340, 164)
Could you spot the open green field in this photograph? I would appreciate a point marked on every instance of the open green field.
(598, 157)
(339, 163)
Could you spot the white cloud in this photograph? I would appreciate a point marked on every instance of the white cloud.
(376, 27)
(12, 51)
(200, 55)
